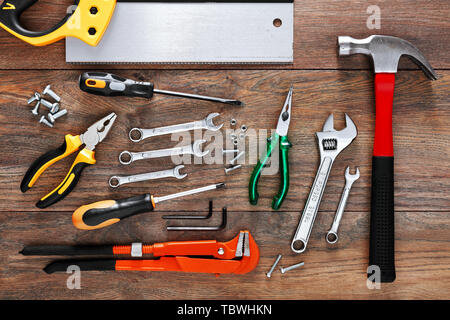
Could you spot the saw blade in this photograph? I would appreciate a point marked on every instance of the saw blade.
(145, 32)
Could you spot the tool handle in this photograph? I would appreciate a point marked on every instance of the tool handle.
(70, 145)
(52, 250)
(84, 265)
(256, 174)
(108, 84)
(84, 158)
(104, 213)
(384, 97)
(381, 251)
(285, 145)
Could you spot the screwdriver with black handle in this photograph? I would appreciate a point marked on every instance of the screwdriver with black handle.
(108, 84)
(104, 213)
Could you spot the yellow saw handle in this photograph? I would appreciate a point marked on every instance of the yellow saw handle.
(86, 20)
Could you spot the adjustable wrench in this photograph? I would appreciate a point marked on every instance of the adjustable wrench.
(206, 123)
(116, 181)
(331, 143)
(332, 236)
(189, 149)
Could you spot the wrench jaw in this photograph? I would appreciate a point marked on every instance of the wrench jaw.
(197, 151)
(210, 124)
(332, 142)
(177, 174)
(351, 177)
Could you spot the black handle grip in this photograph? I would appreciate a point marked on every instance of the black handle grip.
(107, 84)
(84, 265)
(104, 213)
(382, 218)
(55, 250)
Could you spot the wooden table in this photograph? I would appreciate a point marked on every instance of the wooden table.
(323, 84)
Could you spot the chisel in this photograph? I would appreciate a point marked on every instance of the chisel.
(108, 84)
(104, 213)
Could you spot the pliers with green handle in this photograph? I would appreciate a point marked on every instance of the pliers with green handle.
(279, 138)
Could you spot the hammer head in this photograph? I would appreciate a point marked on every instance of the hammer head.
(385, 52)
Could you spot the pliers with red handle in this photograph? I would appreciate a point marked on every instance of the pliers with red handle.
(239, 255)
(93, 135)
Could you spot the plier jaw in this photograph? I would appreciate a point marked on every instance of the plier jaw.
(285, 116)
(98, 131)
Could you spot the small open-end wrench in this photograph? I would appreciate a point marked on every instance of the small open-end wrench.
(189, 149)
(116, 181)
(331, 143)
(332, 236)
(206, 123)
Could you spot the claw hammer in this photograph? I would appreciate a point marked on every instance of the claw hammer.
(385, 52)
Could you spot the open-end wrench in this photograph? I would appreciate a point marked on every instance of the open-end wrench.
(332, 236)
(206, 123)
(189, 149)
(116, 181)
(331, 143)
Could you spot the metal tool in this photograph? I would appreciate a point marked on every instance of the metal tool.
(35, 110)
(93, 136)
(239, 255)
(385, 52)
(221, 226)
(191, 32)
(35, 97)
(269, 274)
(59, 114)
(332, 236)
(278, 139)
(53, 107)
(192, 217)
(138, 134)
(193, 149)
(104, 213)
(331, 143)
(228, 170)
(295, 266)
(239, 155)
(46, 122)
(51, 93)
(107, 84)
(116, 181)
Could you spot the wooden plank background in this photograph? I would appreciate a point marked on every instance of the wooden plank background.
(323, 84)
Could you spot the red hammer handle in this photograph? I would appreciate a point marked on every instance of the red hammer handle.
(382, 206)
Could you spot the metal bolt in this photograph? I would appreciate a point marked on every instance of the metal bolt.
(35, 110)
(224, 151)
(232, 161)
(284, 270)
(269, 274)
(233, 122)
(235, 142)
(227, 170)
(243, 128)
(51, 93)
(221, 251)
(53, 107)
(44, 121)
(46, 103)
(36, 96)
(59, 114)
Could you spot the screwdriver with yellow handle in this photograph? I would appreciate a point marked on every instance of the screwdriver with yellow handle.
(108, 84)
(104, 213)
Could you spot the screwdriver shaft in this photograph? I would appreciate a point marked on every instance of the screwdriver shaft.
(199, 97)
(188, 192)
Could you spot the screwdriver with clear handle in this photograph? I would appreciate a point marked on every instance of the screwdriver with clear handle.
(108, 84)
(104, 213)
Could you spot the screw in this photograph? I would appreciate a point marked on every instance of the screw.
(53, 107)
(44, 121)
(269, 274)
(221, 251)
(36, 96)
(224, 151)
(284, 270)
(232, 168)
(59, 114)
(51, 93)
(232, 161)
(35, 110)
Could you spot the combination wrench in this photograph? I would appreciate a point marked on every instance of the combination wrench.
(206, 123)
(193, 149)
(332, 236)
(116, 181)
(331, 143)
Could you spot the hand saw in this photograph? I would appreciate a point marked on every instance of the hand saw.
(239, 255)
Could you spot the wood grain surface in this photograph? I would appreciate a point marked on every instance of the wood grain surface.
(322, 85)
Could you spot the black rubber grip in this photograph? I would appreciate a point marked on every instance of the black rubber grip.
(84, 265)
(121, 209)
(114, 85)
(38, 163)
(57, 194)
(382, 218)
(52, 250)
